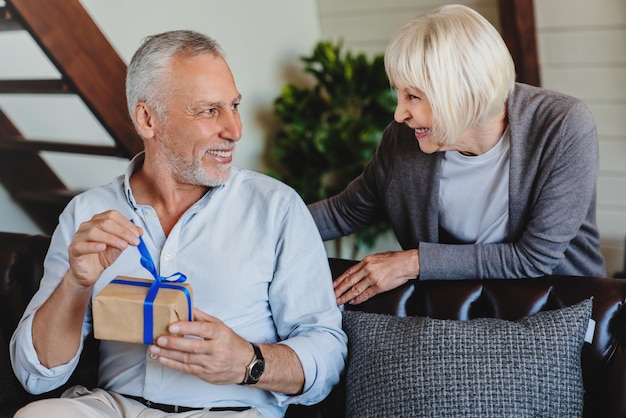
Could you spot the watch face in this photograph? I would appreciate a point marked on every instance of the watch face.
(257, 370)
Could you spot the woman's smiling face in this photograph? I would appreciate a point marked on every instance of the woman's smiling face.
(414, 110)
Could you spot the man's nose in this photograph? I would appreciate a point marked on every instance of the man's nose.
(231, 126)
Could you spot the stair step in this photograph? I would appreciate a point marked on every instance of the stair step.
(53, 86)
(17, 143)
(84, 57)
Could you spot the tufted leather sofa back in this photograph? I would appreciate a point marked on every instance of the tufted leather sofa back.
(21, 268)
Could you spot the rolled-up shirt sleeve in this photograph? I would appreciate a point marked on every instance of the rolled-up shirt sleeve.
(304, 306)
(35, 377)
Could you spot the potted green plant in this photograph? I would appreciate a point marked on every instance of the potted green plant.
(330, 129)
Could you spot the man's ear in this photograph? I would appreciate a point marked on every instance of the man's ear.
(145, 118)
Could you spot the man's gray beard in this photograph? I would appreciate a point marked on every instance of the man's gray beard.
(196, 175)
(190, 173)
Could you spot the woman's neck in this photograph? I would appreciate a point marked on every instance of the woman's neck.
(479, 140)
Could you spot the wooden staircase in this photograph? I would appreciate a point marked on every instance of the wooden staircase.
(90, 69)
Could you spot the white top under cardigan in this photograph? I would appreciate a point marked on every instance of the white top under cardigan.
(474, 194)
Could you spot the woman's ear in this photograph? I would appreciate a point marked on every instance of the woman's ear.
(145, 119)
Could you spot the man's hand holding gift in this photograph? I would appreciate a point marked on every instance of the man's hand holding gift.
(139, 310)
(211, 356)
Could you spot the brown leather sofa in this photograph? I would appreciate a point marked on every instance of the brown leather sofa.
(603, 362)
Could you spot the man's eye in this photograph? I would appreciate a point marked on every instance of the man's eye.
(236, 106)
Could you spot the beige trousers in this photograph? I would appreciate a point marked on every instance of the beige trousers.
(80, 402)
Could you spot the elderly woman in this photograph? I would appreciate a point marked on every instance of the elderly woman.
(479, 176)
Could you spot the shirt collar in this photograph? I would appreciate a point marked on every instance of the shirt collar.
(134, 165)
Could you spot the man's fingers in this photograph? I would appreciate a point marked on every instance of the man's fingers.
(199, 315)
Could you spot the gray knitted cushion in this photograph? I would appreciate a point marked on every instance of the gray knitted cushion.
(423, 367)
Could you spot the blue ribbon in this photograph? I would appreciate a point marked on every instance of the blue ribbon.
(159, 282)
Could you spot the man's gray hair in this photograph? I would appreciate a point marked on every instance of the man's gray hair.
(149, 68)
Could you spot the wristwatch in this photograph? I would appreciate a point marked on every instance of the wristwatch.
(255, 369)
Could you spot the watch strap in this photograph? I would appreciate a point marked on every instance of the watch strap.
(257, 352)
(255, 369)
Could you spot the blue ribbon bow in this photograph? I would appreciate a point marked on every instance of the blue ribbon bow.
(159, 282)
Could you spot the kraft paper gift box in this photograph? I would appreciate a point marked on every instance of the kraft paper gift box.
(118, 310)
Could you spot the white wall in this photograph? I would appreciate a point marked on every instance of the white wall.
(367, 25)
(582, 52)
(262, 40)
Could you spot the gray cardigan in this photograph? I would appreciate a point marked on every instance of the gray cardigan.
(552, 196)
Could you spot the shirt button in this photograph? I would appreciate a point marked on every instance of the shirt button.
(167, 257)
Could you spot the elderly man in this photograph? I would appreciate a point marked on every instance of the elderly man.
(266, 331)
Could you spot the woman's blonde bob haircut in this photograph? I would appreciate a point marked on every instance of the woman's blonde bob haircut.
(460, 62)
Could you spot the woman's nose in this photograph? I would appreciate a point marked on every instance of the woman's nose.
(401, 114)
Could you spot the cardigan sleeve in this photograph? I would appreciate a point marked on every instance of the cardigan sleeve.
(360, 203)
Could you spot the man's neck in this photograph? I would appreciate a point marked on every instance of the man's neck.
(169, 199)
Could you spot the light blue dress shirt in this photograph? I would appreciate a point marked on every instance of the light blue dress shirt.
(255, 260)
